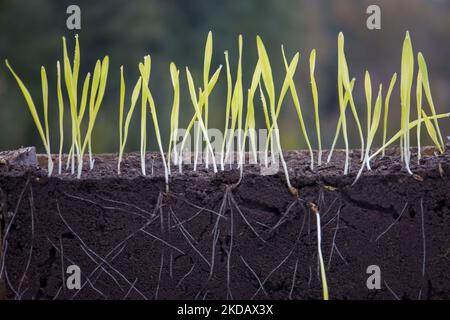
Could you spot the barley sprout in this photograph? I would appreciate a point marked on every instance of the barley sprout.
(239, 100)
(121, 107)
(368, 90)
(266, 118)
(71, 84)
(344, 83)
(236, 106)
(145, 69)
(409, 127)
(341, 75)
(297, 106)
(266, 71)
(405, 95)
(432, 131)
(426, 85)
(315, 95)
(227, 110)
(250, 119)
(201, 101)
(152, 107)
(339, 125)
(123, 128)
(386, 107)
(32, 107)
(285, 87)
(61, 115)
(103, 76)
(374, 123)
(250, 122)
(174, 115)
(197, 111)
(206, 68)
(419, 111)
(94, 89)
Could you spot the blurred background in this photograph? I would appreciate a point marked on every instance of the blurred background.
(176, 30)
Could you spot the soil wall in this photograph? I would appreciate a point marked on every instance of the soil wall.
(206, 239)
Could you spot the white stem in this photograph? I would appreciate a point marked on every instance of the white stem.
(49, 164)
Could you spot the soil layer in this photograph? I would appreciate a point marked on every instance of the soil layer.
(208, 238)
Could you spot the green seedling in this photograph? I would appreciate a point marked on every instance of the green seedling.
(409, 127)
(344, 84)
(71, 87)
(342, 106)
(201, 101)
(227, 110)
(374, 123)
(250, 129)
(315, 95)
(368, 91)
(45, 137)
(145, 74)
(206, 69)
(419, 111)
(426, 86)
(432, 131)
(61, 115)
(297, 106)
(339, 125)
(145, 69)
(407, 68)
(286, 86)
(386, 107)
(98, 89)
(77, 112)
(123, 128)
(174, 115)
(198, 114)
(236, 106)
(266, 71)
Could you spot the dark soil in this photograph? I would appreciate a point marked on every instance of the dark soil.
(208, 240)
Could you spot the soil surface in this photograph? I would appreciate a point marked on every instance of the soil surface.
(208, 238)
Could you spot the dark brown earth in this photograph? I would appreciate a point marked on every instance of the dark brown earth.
(207, 240)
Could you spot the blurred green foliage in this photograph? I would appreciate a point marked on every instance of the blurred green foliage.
(175, 30)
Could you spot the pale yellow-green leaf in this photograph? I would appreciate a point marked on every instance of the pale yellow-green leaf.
(84, 96)
(31, 105)
(432, 132)
(206, 68)
(61, 110)
(45, 104)
(411, 125)
(386, 105)
(407, 72)
(294, 95)
(121, 105)
(376, 118)
(368, 91)
(134, 98)
(266, 71)
(264, 107)
(426, 85)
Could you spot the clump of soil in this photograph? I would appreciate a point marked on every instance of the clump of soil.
(210, 239)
